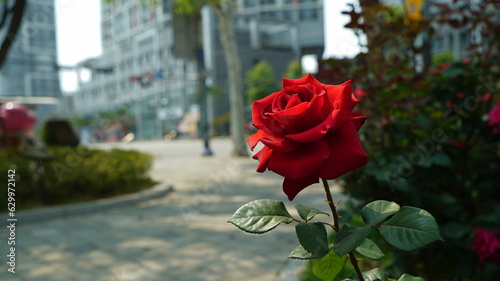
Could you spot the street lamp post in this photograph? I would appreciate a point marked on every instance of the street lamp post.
(203, 105)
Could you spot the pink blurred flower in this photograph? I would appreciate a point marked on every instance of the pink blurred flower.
(444, 65)
(17, 117)
(359, 93)
(466, 61)
(485, 97)
(487, 245)
(494, 117)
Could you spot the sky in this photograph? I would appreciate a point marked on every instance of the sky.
(79, 35)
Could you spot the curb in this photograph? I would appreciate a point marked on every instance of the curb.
(45, 213)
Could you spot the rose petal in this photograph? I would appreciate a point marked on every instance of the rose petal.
(358, 121)
(254, 139)
(260, 120)
(305, 160)
(341, 95)
(279, 144)
(293, 187)
(270, 141)
(336, 119)
(317, 111)
(346, 154)
(287, 118)
(308, 79)
(294, 101)
(264, 155)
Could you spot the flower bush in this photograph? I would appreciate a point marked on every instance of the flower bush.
(431, 132)
(75, 175)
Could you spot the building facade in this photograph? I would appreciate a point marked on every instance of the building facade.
(138, 70)
(30, 71)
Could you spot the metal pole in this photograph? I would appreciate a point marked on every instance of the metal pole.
(203, 105)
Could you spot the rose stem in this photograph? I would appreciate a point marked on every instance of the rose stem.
(329, 200)
(336, 226)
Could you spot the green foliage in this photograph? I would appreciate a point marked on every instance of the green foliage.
(427, 135)
(300, 253)
(375, 275)
(370, 250)
(77, 174)
(349, 238)
(328, 267)
(444, 57)
(261, 216)
(294, 70)
(410, 229)
(308, 213)
(405, 228)
(408, 277)
(261, 81)
(312, 236)
(378, 211)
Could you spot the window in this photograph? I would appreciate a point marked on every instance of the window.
(250, 3)
(43, 38)
(118, 24)
(288, 15)
(166, 6)
(133, 16)
(464, 40)
(145, 14)
(308, 14)
(269, 15)
(267, 2)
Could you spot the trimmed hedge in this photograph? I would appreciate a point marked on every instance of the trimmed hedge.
(74, 175)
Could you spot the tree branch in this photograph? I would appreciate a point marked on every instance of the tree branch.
(17, 16)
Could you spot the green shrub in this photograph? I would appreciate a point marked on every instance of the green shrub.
(428, 138)
(75, 175)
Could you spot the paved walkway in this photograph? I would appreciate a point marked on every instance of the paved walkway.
(183, 236)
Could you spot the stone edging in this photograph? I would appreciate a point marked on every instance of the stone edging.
(157, 191)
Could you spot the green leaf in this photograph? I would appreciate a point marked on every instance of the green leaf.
(370, 250)
(312, 236)
(377, 212)
(261, 216)
(411, 228)
(408, 277)
(328, 267)
(307, 213)
(300, 253)
(349, 238)
(375, 275)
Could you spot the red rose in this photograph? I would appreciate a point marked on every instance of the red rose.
(487, 245)
(308, 133)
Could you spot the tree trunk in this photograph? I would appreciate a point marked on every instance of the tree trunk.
(17, 12)
(235, 78)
